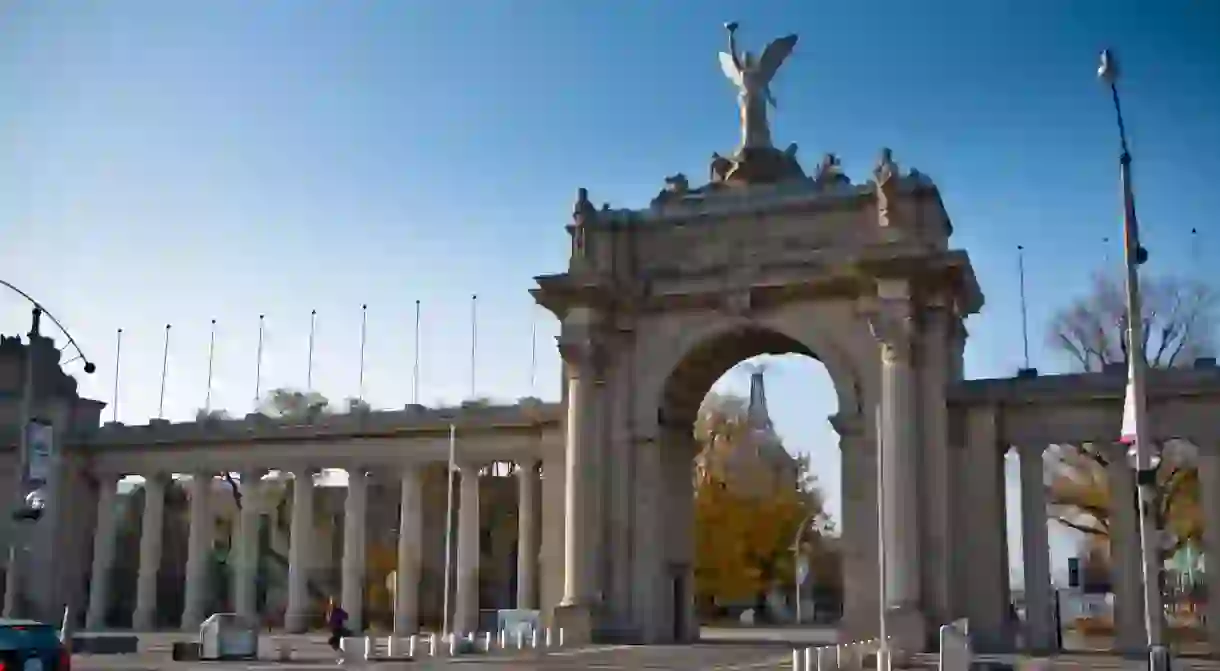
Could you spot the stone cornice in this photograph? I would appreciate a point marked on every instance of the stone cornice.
(1110, 387)
(419, 421)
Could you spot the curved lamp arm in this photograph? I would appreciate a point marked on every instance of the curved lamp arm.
(89, 367)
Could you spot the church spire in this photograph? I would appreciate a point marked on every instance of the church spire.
(756, 413)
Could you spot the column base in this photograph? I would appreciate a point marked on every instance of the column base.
(908, 633)
(576, 621)
(296, 623)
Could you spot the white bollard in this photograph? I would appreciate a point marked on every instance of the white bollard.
(840, 657)
(368, 648)
(503, 639)
(411, 646)
(534, 639)
(561, 637)
(453, 639)
(487, 641)
(810, 658)
(548, 637)
(520, 639)
(796, 659)
(432, 645)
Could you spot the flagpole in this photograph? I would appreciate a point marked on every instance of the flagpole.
(1135, 412)
(415, 369)
(533, 349)
(118, 351)
(474, 340)
(449, 530)
(207, 400)
(1024, 306)
(164, 374)
(258, 364)
(313, 325)
(364, 314)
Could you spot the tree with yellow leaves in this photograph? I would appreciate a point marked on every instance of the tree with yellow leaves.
(747, 512)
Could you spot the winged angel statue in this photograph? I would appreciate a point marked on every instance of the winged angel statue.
(753, 81)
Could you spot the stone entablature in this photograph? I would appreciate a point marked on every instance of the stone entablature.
(786, 224)
(527, 416)
(1088, 407)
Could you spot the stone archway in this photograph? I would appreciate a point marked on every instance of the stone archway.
(657, 303)
(684, 389)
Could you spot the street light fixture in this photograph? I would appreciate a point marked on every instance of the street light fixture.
(30, 495)
(1142, 451)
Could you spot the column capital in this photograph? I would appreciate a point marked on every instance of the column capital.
(892, 323)
(847, 425)
(584, 352)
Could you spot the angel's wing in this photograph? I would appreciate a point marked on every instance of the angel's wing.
(730, 69)
(773, 56)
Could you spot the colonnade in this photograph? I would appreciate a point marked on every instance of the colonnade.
(245, 543)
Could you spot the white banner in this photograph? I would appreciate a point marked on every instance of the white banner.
(40, 443)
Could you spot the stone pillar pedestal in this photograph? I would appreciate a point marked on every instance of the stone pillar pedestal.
(103, 554)
(297, 614)
(245, 574)
(410, 532)
(199, 545)
(355, 514)
(466, 612)
(527, 535)
(1035, 550)
(152, 525)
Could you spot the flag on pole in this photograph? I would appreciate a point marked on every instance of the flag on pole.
(1128, 433)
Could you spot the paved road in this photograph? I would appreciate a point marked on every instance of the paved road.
(721, 650)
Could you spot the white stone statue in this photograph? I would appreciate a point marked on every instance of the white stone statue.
(753, 81)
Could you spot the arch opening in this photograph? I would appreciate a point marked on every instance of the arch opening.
(750, 458)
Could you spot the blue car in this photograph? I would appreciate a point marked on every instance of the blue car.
(26, 645)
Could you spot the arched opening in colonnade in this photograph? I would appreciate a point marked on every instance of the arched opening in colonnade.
(750, 461)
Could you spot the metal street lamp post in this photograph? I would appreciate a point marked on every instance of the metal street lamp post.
(30, 499)
(1142, 451)
(800, 572)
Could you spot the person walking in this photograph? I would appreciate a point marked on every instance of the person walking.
(336, 622)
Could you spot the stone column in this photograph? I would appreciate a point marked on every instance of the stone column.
(583, 363)
(410, 534)
(300, 549)
(199, 543)
(355, 514)
(466, 611)
(1035, 552)
(145, 616)
(527, 535)
(893, 325)
(103, 554)
(1125, 570)
(245, 543)
(1209, 485)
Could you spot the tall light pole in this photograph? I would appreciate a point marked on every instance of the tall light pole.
(29, 499)
(1142, 450)
(796, 561)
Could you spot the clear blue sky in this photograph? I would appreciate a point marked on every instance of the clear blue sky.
(179, 162)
